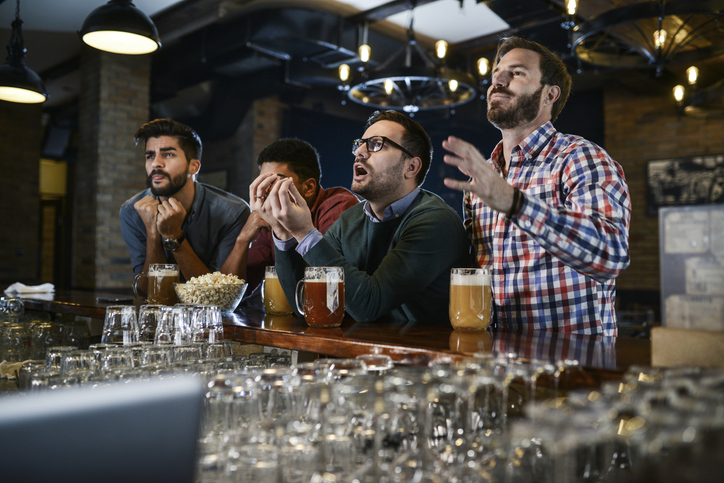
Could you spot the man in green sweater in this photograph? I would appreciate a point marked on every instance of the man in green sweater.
(396, 248)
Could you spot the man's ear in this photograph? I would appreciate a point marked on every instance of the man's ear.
(413, 167)
(552, 94)
(309, 188)
(194, 167)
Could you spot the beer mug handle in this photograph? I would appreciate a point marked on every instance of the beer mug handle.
(135, 285)
(299, 297)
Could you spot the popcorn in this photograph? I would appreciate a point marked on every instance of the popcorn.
(215, 288)
(216, 277)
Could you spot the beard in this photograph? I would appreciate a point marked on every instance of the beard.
(384, 183)
(525, 108)
(174, 184)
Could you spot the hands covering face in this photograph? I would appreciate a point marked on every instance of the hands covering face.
(277, 201)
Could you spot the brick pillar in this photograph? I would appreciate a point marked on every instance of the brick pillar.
(114, 102)
(20, 138)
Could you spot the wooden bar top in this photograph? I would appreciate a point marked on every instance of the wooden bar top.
(404, 342)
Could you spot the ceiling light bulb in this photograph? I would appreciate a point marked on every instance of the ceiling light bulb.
(344, 72)
(679, 93)
(365, 52)
(389, 86)
(483, 66)
(441, 49)
(571, 7)
(453, 84)
(692, 73)
(659, 38)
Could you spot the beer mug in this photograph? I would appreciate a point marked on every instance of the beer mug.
(161, 277)
(275, 302)
(470, 298)
(320, 296)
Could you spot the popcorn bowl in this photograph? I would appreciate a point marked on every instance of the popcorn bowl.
(224, 295)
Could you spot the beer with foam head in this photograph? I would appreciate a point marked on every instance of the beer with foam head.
(470, 298)
(320, 296)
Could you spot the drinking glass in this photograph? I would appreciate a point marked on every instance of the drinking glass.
(320, 296)
(206, 324)
(175, 326)
(470, 298)
(54, 357)
(149, 316)
(120, 325)
(161, 279)
(275, 302)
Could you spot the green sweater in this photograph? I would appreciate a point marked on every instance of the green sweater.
(395, 270)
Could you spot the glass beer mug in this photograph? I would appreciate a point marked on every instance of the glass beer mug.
(320, 296)
(161, 277)
(470, 298)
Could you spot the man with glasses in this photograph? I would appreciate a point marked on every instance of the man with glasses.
(396, 248)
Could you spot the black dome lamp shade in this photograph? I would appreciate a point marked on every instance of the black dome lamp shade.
(17, 82)
(121, 28)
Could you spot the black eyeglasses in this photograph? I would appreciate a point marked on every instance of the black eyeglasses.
(375, 143)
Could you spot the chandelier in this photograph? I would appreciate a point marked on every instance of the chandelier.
(409, 80)
(655, 34)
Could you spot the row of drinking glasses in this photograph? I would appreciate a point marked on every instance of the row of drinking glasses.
(335, 420)
(162, 324)
(29, 337)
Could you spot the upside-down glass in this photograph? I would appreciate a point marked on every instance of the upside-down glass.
(120, 325)
(320, 296)
(175, 326)
(149, 316)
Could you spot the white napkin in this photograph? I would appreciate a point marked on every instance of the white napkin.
(20, 288)
(9, 370)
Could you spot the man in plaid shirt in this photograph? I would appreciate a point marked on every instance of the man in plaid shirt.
(549, 213)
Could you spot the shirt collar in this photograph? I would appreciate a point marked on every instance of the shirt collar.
(395, 210)
(531, 146)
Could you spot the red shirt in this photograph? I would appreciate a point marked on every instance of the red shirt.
(329, 205)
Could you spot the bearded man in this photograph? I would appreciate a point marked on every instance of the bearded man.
(178, 220)
(549, 213)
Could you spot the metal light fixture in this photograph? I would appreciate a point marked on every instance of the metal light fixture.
(121, 28)
(659, 34)
(17, 82)
(410, 80)
(652, 34)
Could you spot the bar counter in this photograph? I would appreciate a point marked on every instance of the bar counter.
(411, 343)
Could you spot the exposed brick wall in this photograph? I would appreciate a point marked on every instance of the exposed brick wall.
(639, 129)
(20, 140)
(113, 104)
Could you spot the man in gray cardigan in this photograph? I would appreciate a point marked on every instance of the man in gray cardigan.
(396, 248)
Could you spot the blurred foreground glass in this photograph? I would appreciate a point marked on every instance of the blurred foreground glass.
(120, 325)
(161, 277)
(275, 302)
(470, 298)
(320, 296)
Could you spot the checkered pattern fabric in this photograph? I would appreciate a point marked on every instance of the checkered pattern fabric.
(555, 262)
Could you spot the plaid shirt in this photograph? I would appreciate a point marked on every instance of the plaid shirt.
(554, 263)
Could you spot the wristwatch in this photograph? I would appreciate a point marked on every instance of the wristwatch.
(172, 244)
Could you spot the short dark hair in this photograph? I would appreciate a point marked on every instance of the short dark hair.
(415, 139)
(188, 140)
(300, 156)
(553, 70)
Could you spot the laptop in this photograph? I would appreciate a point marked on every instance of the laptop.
(143, 431)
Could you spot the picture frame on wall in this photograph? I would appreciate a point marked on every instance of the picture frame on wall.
(688, 180)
